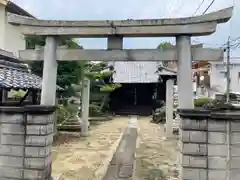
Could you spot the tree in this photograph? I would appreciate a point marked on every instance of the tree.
(164, 45)
(68, 73)
(101, 76)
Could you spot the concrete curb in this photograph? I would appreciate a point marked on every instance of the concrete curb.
(134, 177)
(123, 161)
(103, 167)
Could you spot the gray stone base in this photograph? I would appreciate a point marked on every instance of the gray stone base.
(210, 146)
(26, 141)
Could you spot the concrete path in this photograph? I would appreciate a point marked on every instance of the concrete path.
(122, 165)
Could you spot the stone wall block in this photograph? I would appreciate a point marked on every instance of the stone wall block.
(17, 118)
(217, 174)
(14, 129)
(36, 163)
(217, 150)
(39, 119)
(39, 140)
(194, 161)
(9, 150)
(235, 126)
(235, 150)
(191, 124)
(8, 139)
(10, 161)
(234, 174)
(193, 149)
(38, 151)
(39, 129)
(198, 136)
(193, 136)
(11, 173)
(217, 138)
(217, 163)
(37, 174)
(217, 126)
(50, 128)
(193, 174)
(235, 138)
(235, 163)
(184, 136)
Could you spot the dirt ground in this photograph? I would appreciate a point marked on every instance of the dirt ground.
(156, 157)
(78, 158)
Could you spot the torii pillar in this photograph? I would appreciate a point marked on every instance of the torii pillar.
(49, 81)
(184, 73)
(169, 107)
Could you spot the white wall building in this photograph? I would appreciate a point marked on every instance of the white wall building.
(10, 38)
(218, 77)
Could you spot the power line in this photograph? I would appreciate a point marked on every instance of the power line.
(198, 7)
(209, 6)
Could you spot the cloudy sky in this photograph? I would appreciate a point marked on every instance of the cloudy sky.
(135, 9)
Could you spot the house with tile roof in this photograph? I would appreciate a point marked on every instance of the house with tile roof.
(142, 85)
(15, 74)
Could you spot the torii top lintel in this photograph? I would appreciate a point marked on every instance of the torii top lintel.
(194, 26)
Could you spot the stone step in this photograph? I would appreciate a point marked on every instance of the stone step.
(69, 128)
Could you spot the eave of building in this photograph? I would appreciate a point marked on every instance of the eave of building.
(14, 74)
(15, 9)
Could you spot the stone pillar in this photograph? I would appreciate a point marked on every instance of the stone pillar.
(184, 74)
(26, 140)
(48, 95)
(210, 145)
(115, 42)
(49, 80)
(4, 95)
(169, 107)
(85, 107)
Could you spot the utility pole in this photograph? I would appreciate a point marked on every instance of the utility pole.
(228, 71)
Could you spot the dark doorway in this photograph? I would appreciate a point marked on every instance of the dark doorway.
(133, 98)
(137, 98)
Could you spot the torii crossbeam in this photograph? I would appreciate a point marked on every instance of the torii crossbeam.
(198, 54)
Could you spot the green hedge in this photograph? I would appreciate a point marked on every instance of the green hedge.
(201, 101)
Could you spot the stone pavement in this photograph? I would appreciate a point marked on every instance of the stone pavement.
(122, 165)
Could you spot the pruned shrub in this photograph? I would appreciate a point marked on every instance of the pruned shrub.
(200, 102)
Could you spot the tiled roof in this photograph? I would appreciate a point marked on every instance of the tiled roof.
(19, 79)
(138, 72)
(14, 74)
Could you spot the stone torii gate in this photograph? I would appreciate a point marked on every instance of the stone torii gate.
(181, 28)
(63, 54)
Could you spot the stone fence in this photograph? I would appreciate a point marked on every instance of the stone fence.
(26, 141)
(209, 145)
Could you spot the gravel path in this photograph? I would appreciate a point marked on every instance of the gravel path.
(78, 158)
(156, 157)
